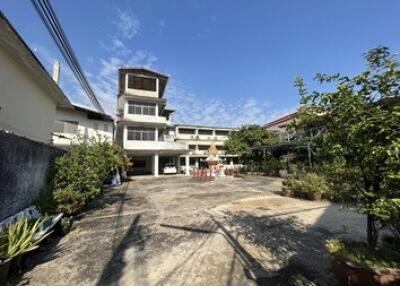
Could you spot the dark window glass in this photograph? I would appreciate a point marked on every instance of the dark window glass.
(203, 147)
(144, 134)
(222, 132)
(139, 82)
(141, 108)
(131, 82)
(186, 131)
(205, 132)
(192, 147)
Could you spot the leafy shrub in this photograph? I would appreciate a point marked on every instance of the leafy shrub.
(69, 201)
(362, 255)
(312, 183)
(388, 211)
(81, 173)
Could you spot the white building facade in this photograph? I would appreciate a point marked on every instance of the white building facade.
(199, 138)
(28, 95)
(81, 125)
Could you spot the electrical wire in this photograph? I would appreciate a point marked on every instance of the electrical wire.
(50, 20)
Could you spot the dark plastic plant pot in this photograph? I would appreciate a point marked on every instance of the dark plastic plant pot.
(287, 191)
(4, 268)
(300, 194)
(349, 274)
(314, 196)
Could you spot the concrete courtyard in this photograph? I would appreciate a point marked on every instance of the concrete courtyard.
(179, 231)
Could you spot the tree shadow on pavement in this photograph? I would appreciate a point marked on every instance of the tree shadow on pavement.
(253, 269)
(298, 250)
(133, 238)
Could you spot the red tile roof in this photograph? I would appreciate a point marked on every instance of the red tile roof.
(285, 118)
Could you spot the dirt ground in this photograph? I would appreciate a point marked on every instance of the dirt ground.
(178, 231)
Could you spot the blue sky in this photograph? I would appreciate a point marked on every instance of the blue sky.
(230, 62)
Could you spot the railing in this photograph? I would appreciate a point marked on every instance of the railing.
(205, 152)
(154, 145)
(144, 118)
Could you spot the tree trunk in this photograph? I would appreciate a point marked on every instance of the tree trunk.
(372, 231)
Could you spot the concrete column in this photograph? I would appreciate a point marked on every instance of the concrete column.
(196, 164)
(231, 162)
(187, 165)
(156, 111)
(178, 164)
(155, 164)
(156, 135)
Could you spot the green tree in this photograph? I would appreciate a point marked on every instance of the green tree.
(360, 139)
(240, 142)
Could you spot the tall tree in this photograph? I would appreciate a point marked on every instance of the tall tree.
(248, 136)
(360, 120)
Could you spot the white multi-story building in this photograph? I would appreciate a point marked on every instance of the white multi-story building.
(199, 139)
(145, 130)
(143, 121)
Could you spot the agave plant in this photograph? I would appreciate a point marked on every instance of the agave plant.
(21, 238)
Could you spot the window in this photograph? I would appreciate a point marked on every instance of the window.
(203, 147)
(141, 108)
(140, 82)
(69, 127)
(96, 126)
(105, 127)
(192, 147)
(143, 134)
(222, 132)
(186, 131)
(205, 132)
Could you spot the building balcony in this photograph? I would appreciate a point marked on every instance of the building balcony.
(127, 117)
(138, 145)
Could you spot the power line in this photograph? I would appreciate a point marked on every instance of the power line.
(50, 20)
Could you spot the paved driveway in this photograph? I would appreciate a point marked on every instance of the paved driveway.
(177, 231)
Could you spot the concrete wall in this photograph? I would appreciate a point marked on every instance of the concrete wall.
(25, 171)
(85, 127)
(26, 109)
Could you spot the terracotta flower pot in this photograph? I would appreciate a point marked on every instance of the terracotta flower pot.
(349, 274)
(4, 268)
(314, 196)
(287, 191)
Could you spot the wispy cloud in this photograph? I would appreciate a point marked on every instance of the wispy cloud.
(195, 109)
(191, 108)
(127, 23)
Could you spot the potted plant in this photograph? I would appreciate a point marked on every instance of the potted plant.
(288, 187)
(314, 186)
(21, 237)
(355, 264)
